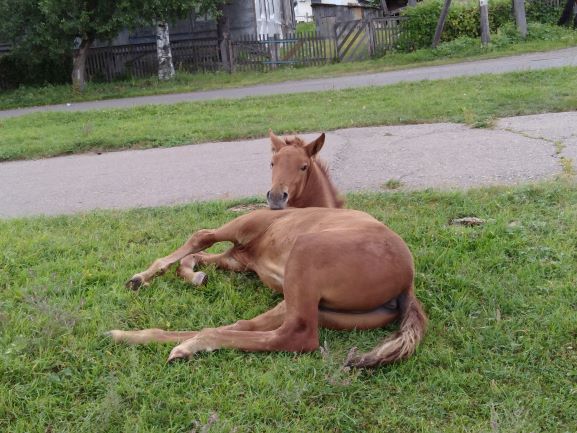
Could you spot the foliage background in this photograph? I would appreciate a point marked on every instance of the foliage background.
(463, 20)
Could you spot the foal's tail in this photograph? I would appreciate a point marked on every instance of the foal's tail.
(402, 343)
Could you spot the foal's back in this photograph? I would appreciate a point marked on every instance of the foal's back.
(267, 240)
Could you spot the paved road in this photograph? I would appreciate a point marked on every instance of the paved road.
(532, 61)
(517, 150)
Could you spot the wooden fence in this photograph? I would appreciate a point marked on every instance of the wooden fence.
(361, 39)
(351, 41)
(140, 60)
(269, 52)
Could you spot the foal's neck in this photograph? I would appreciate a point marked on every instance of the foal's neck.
(319, 190)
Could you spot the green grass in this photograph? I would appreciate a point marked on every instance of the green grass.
(474, 100)
(541, 38)
(500, 354)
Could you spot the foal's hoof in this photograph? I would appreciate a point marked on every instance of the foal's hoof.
(115, 335)
(134, 283)
(177, 354)
(199, 279)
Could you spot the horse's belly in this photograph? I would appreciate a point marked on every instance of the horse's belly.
(271, 274)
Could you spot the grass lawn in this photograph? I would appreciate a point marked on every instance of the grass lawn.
(474, 100)
(500, 353)
(506, 42)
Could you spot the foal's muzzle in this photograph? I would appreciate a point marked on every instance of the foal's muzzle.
(277, 200)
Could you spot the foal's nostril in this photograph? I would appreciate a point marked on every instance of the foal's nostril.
(268, 195)
(285, 196)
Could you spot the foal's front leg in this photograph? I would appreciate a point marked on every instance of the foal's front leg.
(222, 261)
(197, 242)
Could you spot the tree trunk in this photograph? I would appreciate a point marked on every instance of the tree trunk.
(79, 64)
(223, 34)
(164, 53)
(567, 13)
(520, 17)
(441, 23)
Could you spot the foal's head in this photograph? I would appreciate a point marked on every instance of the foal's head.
(297, 178)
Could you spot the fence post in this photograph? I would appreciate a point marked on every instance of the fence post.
(372, 43)
(224, 52)
(232, 58)
(484, 6)
(273, 49)
(520, 17)
(335, 39)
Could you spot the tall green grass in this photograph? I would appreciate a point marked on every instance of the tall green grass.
(500, 353)
(475, 100)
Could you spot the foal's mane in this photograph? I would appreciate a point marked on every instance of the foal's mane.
(299, 142)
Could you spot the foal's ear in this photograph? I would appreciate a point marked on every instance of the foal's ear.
(277, 142)
(315, 146)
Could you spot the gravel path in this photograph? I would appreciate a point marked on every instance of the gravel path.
(516, 150)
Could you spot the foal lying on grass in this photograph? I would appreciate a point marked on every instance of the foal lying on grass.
(337, 268)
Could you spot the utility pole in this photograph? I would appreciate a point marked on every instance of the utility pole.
(484, 6)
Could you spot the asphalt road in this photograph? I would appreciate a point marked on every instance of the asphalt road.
(524, 62)
(516, 150)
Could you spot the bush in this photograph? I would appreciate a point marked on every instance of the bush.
(506, 36)
(542, 12)
(463, 21)
(17, 70)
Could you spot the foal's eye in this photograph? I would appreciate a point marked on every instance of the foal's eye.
(304, 167)
(271, 164)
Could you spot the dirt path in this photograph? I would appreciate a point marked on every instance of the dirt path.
(517, 150)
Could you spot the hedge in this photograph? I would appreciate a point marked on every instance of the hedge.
(17, 70)
(464, 21)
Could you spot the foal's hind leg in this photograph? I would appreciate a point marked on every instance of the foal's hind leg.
(268, 321)
(298, 331)
(223, 261)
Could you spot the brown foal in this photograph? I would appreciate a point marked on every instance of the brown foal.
(337, 268)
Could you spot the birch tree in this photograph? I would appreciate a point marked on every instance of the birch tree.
(160, 13)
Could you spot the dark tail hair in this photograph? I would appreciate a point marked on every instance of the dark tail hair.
(402, 343)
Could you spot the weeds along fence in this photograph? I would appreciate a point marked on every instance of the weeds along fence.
(354, 40)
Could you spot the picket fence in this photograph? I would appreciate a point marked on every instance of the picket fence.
(350, 41)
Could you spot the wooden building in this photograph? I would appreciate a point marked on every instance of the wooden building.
(240, 18)
(327, 13)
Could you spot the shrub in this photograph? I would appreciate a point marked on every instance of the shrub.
(17, 70)
(463, 21)
(543, 12)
